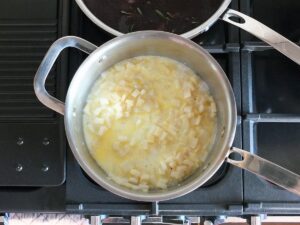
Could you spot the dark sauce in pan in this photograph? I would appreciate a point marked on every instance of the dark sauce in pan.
(177, 16)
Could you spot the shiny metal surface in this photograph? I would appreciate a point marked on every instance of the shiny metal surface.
(48, 62)
(135, 220)
(208, 222)
(249, 24)
(95, 220)
(255, 220)
(115, 220)
(267, 170)
(150, 43)
(153, 219)
(162, 220)
(261, 31)
(161, 44)
(190, 34)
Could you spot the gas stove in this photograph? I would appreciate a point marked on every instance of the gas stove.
(38, 171)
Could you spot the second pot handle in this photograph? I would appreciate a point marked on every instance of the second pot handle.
(47, 63)
(261, 31)
(267, 170)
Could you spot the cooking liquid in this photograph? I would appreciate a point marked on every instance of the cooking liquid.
(176, 16)
(149, 122)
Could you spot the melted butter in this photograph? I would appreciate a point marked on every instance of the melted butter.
(148, 122)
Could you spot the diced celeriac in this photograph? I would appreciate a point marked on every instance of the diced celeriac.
(144, 135)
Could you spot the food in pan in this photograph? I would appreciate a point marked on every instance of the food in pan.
(149, 122)
(176, 16)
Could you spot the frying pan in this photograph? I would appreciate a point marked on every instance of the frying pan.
(160, 44)
(231, 16)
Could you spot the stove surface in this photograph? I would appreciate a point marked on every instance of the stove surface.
(38, 171)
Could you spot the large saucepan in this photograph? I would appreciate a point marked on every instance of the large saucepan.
(161, 44)
(231, 16)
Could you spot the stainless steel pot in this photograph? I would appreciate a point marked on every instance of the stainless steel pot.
(161, 44)
(261, 31)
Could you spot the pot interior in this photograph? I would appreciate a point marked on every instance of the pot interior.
(158, 44)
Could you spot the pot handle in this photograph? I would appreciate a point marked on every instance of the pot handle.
(267, 170)
(261, 31)
(47, 63)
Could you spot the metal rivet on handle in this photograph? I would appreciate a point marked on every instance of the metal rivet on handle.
(19, 167)
(46, 141)
(20, 141)
(45, 168)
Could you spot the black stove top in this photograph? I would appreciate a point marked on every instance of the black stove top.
(37, 169)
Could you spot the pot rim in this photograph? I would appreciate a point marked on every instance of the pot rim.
(189, 34)
(209, 170)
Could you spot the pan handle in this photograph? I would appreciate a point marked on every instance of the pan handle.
(47, 63)
(267, 170)
(261, 31)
